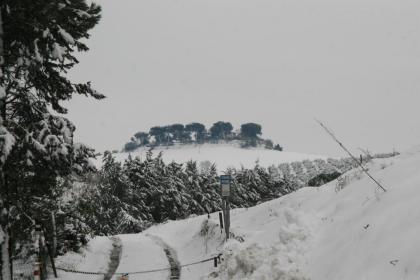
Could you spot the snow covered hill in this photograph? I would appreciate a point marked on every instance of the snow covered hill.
(340, 231)
(224, 155)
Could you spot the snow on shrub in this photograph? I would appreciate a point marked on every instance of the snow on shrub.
(279, 261)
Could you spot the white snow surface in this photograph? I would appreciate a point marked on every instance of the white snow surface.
(66, 36)
(58, 51)
(355, 231)
(223, 155)
(93, 258)
(140, 253)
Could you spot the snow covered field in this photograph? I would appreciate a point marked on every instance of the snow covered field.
(224, 155)
(346, 232)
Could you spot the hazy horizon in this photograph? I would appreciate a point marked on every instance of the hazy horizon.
(353, 64)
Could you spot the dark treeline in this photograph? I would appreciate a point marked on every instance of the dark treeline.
(249, 135)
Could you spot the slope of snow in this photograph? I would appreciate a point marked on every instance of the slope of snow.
(224, 155)
(355, 231)
(368, 234)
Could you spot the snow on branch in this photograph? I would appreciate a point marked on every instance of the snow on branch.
(7, 140)
(66, 36)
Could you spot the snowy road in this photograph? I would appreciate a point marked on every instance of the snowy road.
(115, 257)
(141, 253)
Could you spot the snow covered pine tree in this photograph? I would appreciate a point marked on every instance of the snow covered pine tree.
(37, 44)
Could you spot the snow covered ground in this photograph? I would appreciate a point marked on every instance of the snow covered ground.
(141, 253)
(335, 232)
(355, 232)
(224, 155)
(93, 258)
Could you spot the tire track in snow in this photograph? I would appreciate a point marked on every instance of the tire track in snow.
(172, 257)
(114, 258)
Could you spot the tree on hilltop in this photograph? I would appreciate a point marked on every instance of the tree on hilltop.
(220, 130)
(198, 130)
(177, 131)
(142, 138)
(251, 130)
(277, 147)
(158, 133)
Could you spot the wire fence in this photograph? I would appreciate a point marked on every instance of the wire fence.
(36, 266)
(215, 259)
(25, 270)
(22, 270)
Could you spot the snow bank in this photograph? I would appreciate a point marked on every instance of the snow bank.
(274, 257)
(352, 232)
(368, 234)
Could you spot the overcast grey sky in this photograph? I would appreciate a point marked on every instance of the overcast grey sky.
(354, 64)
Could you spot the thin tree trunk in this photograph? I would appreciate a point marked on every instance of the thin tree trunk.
(2, 88)
(54, 228)
(6, 274)
(4, 257)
